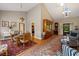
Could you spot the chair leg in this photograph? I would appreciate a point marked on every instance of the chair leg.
(23, 45)
(5, 52)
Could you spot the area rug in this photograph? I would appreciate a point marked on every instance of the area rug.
(13, 49)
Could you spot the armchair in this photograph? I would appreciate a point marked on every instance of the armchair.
(26, 38)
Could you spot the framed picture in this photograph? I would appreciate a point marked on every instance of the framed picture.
(0, 23)
(13, 24)
(5, 24)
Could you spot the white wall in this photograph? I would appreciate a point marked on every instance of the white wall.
(34, 15)
(44, 13)
(12, 16)
(74, 21)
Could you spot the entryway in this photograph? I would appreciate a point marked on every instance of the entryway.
(66, 28)
(33, 32)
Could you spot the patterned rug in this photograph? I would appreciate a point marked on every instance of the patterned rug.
(51, 48)
(13, 49)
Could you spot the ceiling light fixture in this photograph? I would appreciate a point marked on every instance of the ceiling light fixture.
(61, 4)
(21, 18)
(66, 10)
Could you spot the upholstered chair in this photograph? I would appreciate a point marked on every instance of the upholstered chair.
(26, 38)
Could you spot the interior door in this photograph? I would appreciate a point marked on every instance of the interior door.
(66, 28)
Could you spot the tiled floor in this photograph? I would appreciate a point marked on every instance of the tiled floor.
(48, 49)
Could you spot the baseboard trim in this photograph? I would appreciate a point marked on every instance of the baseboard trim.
(38, 38)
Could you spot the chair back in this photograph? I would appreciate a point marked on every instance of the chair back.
(27, 36)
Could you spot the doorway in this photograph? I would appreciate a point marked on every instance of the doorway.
(56, 28)
(33, 32)
(66, 28)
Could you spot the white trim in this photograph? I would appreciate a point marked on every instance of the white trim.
(38, 38)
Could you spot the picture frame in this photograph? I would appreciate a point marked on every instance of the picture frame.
(5, 24)
(13, 24)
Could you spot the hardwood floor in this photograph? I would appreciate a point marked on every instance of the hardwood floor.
(44, 47)
(43, 41)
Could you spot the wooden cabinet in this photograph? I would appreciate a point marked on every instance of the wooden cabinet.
(47, 25)
(47, 28)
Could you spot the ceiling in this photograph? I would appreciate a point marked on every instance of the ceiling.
(54, 8)
(17, 6)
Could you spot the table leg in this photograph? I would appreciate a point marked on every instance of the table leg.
(6, 52)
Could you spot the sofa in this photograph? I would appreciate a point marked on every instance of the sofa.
(74, 34)
(74, 38)
(4, 33)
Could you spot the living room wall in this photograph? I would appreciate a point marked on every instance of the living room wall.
(36, 15)
(74, 21)
(46, 15)
(12, 16)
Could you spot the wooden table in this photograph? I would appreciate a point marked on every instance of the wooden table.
(17, 38)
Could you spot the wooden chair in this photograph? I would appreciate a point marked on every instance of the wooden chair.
(11, 36)
(4, 49)
(17, 40)
(26, 38)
